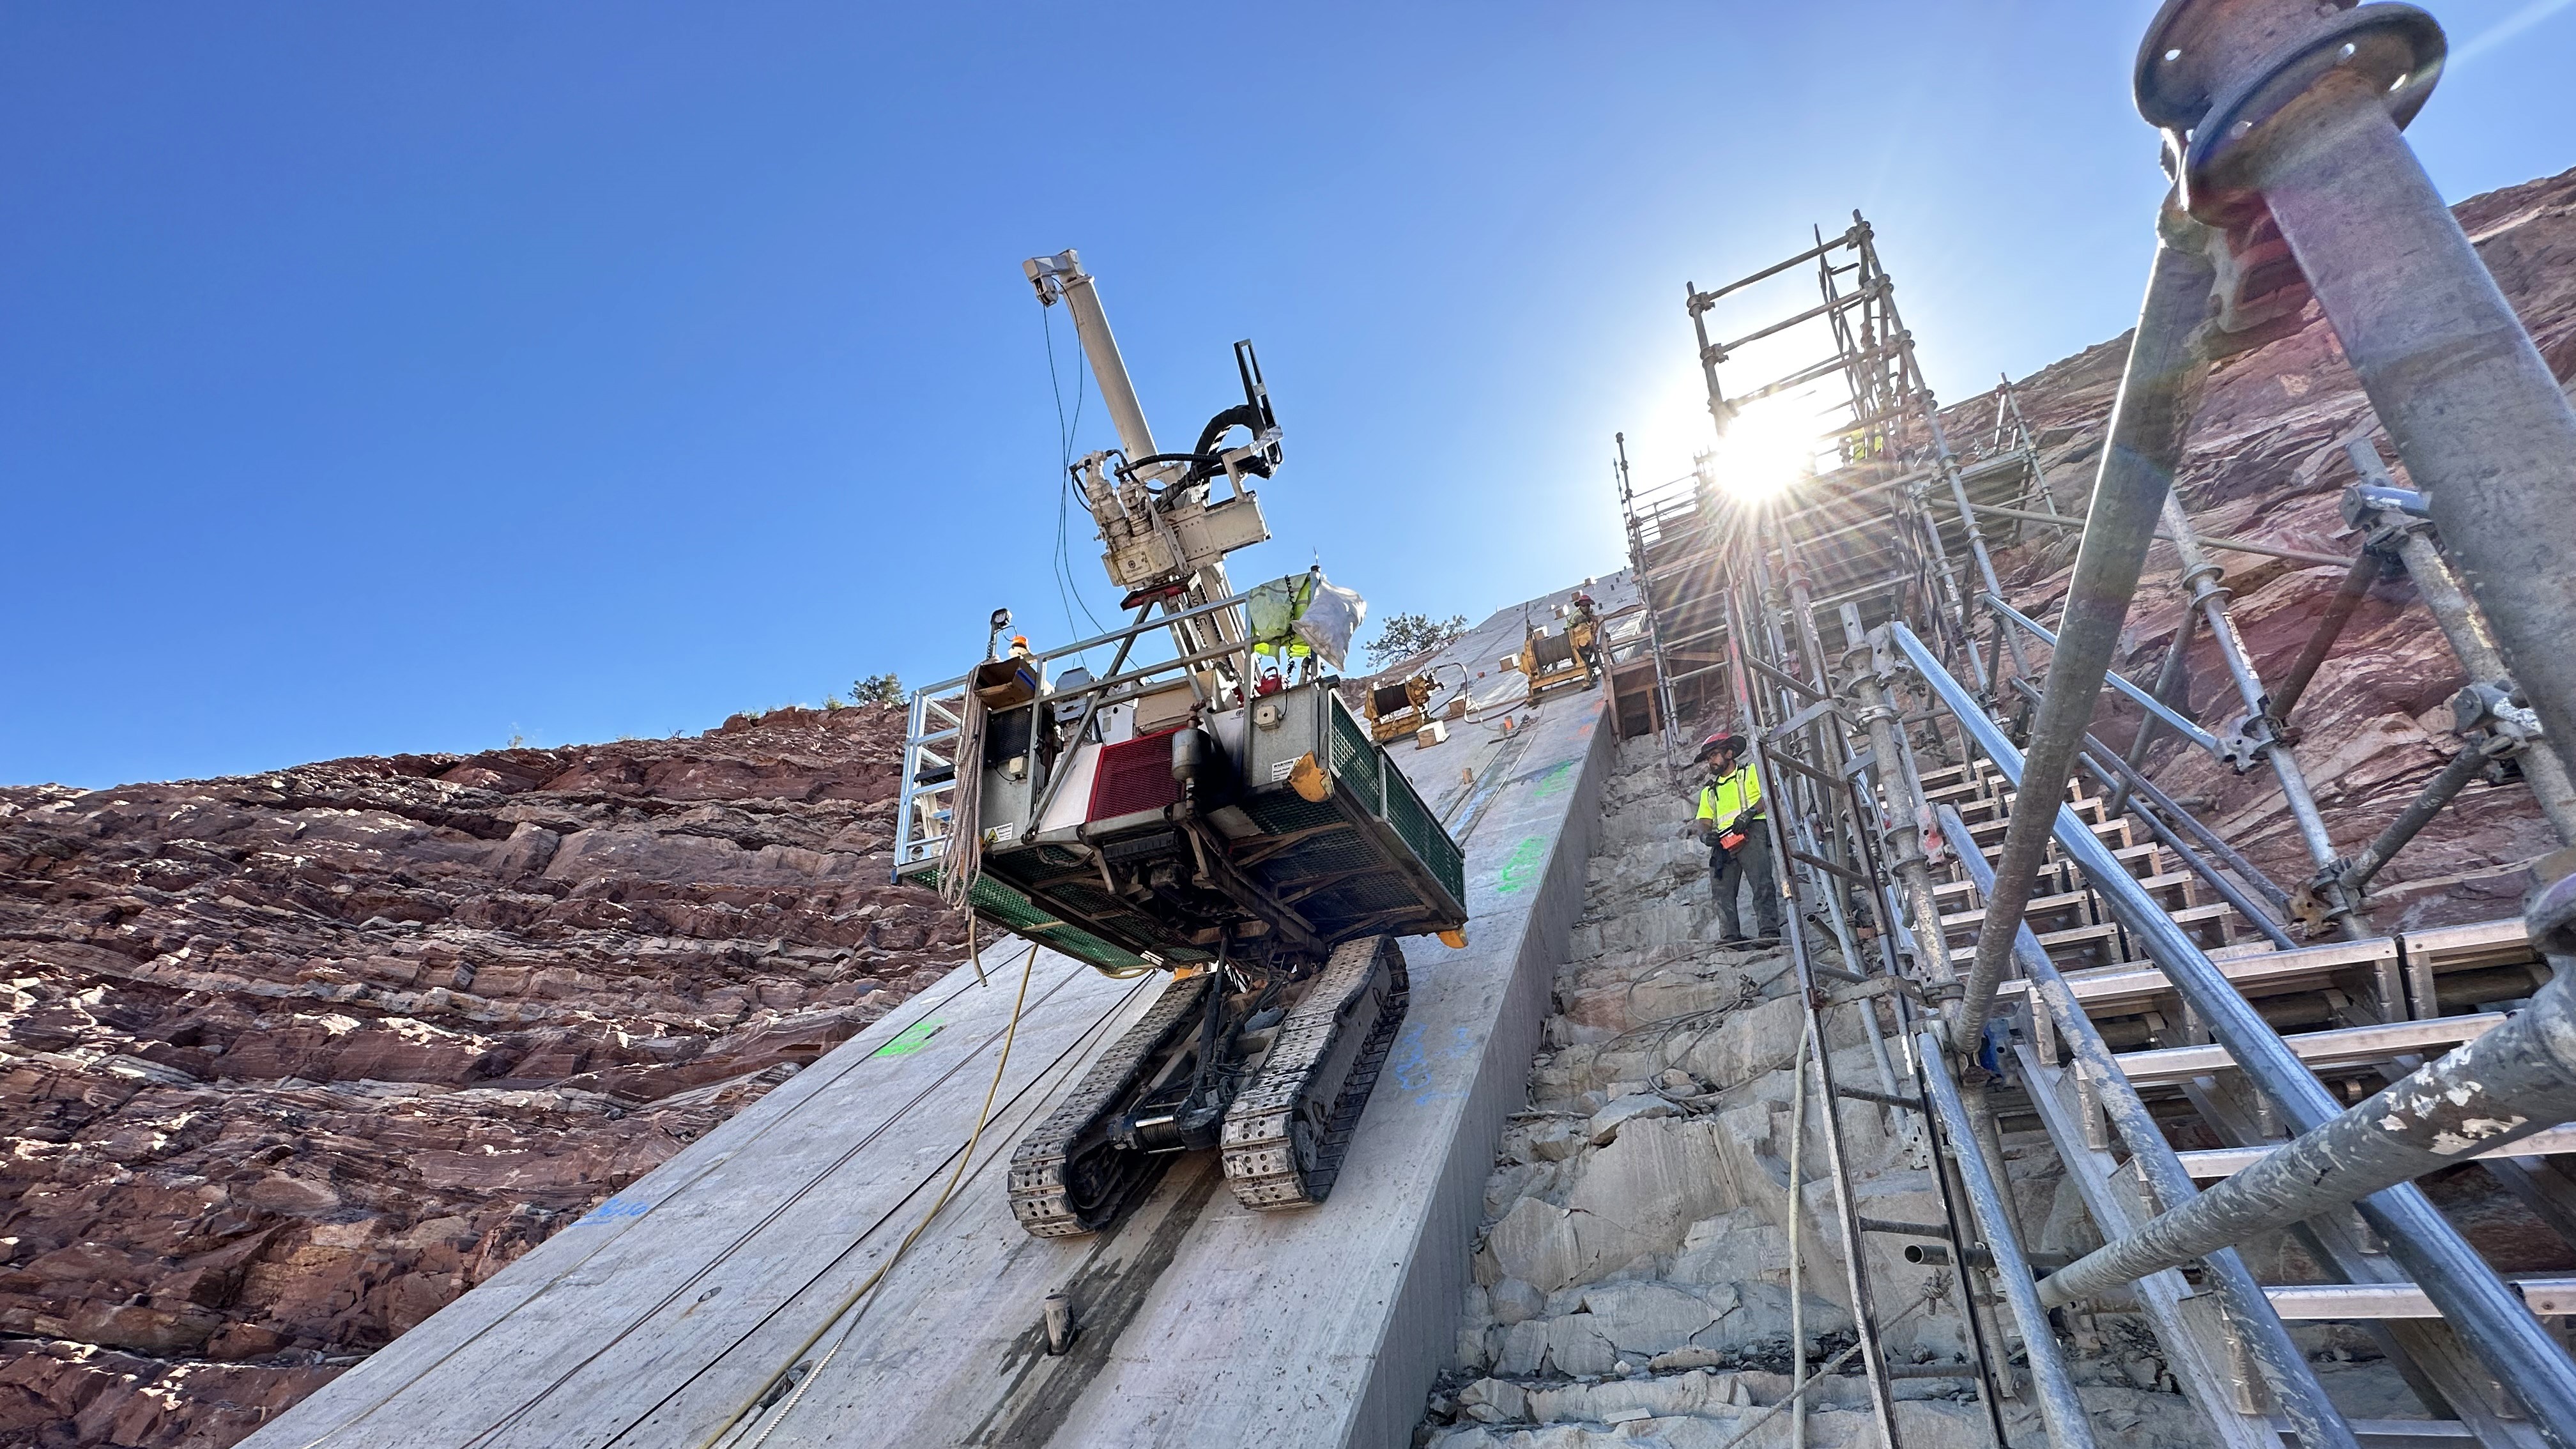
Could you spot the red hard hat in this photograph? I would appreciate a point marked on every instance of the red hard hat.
(1726, 740)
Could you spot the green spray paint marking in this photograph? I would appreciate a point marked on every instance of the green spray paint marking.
(1521, 866)
(909, 1040)
(1554, 782)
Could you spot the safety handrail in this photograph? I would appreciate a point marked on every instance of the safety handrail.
(2149, 702)
(2463, 1285)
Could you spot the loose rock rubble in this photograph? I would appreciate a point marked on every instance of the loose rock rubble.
(291, 1061)
(1633, 1282)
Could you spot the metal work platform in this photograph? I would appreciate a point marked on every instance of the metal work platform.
(731, 1297)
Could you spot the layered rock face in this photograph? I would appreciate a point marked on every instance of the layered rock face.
(293, 1060)
(2266, 464)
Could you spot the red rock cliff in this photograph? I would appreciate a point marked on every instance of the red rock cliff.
(2266, 465)
(293, 1060)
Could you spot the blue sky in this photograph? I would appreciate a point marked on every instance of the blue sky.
(380, 378)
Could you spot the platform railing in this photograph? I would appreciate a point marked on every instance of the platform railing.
(936, 711)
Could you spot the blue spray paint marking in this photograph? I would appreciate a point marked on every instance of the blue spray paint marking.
(1414, 1062)
(1409, 1065)
(1554, 782)
(614, 1209)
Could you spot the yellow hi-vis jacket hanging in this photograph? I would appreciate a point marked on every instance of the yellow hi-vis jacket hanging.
(1731, 796)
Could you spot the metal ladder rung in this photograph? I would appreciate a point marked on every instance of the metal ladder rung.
(2344, 1047)
(2214, 1163)
(2117, 990)
(2395, 1433)
(2548, 1297)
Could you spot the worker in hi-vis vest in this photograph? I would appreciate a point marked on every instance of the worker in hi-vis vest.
(1739, 848)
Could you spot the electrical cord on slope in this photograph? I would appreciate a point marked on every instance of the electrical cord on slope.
(774, 1214)
(1814, 1377)
(671, 1195)
(857, 1297)
(1040, 1087)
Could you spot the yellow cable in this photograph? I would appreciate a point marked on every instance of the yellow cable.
(1028, 968)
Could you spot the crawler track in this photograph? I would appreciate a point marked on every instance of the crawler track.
(1067, 1177)
(1286, 1134)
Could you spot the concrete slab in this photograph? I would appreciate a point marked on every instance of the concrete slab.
(733, 1296)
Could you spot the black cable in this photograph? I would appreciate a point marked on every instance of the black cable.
(1068, 592)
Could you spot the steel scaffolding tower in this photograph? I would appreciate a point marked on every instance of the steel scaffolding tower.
(1878, 433)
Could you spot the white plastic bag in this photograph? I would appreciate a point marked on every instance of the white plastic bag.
(1331, 620)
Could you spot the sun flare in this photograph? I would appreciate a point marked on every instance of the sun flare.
(1763, 450)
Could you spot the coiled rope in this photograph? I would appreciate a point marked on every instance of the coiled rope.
(961, 855)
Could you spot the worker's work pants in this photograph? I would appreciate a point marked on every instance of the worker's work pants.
(1747, 864)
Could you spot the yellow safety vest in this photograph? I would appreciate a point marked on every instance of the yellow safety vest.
(1732, 795)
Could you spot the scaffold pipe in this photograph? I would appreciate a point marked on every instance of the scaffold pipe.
(2504, 1086)
(2068, 1426)
(2320, 1425)
(2479, 421)
(2514, 1345)
(2159, 392)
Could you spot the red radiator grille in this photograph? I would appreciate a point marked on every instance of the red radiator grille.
(1134, 775)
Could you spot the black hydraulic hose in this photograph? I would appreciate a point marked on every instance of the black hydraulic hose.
(1205, 460)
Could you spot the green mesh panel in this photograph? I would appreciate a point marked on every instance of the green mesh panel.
(1322, 855)
(1087, 898)
(1431, 844)
(997, 901)
(1282, 812)
(1081, 945)
(1365, 896)
(1355, 759)
(1382, 893)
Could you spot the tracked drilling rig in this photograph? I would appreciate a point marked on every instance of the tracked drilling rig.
(1216, 816)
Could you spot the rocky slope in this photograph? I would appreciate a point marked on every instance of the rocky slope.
(2266, 464)
(1633, 1281)
(292, 1060)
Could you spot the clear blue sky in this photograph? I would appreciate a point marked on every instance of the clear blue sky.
(381, 378)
